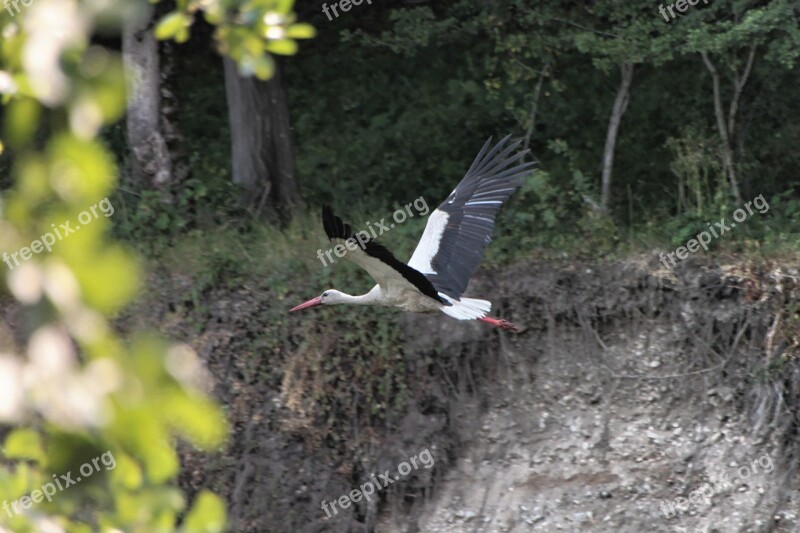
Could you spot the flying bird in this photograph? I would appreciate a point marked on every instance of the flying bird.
(451, 247)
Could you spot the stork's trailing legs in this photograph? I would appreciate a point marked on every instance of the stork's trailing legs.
(500, 323)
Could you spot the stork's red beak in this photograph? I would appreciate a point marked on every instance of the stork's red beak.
(311, 303)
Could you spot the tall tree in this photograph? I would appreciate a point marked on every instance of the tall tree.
(248, 34)
(529, 33)
(617, 35)
(620, 106)
(726, 126)
(729, 48)
(262, 154)
(151, 161)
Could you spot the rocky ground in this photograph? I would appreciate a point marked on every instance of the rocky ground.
(584, 433)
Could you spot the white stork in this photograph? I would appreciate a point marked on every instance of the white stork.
(449, 251)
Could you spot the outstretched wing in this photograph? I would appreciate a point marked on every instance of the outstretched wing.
(379, 262)
(458, 231)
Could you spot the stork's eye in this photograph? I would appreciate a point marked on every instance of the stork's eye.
(325, 294)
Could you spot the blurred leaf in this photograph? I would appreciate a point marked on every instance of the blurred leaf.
(127, 473)
(198, 419)
(110, 280)
(301, 31)
(24, 444)
(172, 25)
(81, 171)
(264, 67)
(22, 120)
(282, 46)
(207, 515)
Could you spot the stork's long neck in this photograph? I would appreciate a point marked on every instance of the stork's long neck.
(373, 297)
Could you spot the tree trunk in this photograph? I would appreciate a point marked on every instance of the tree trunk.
(262, 154)
(170, 113)
(620, 106)
(151, 162)
(537, 93)
(727, 128)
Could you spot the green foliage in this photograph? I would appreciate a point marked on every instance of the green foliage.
(423, 83)
(334, 365)
(352, 368)
(247, 31)
(147, 221)
(701, 184)
(617, 32)
(549, 205)
(74, 392)
(726, 30)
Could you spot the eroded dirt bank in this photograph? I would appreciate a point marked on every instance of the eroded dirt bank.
(629, 387)
(633, 388)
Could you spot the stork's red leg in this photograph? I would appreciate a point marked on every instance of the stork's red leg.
(500, 323)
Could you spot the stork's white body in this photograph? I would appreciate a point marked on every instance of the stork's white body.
(406, 297)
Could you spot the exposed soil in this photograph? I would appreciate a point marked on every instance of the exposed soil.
(637, 387)
(567, 446)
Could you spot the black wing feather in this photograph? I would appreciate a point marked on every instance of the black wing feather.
(471, 208)
(336, 228)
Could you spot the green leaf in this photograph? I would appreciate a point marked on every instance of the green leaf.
(198, 418)
(22, 118)
(263, 67)
(286, 47)
(207, 515)
(301, 31)
(162, 222)
(24, 444)
(128, 473)
(215, 14)
(171, 25)
(80, 171)
(183, 35)
(110, 280)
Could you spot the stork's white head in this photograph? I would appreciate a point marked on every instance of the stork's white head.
(329, 297)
